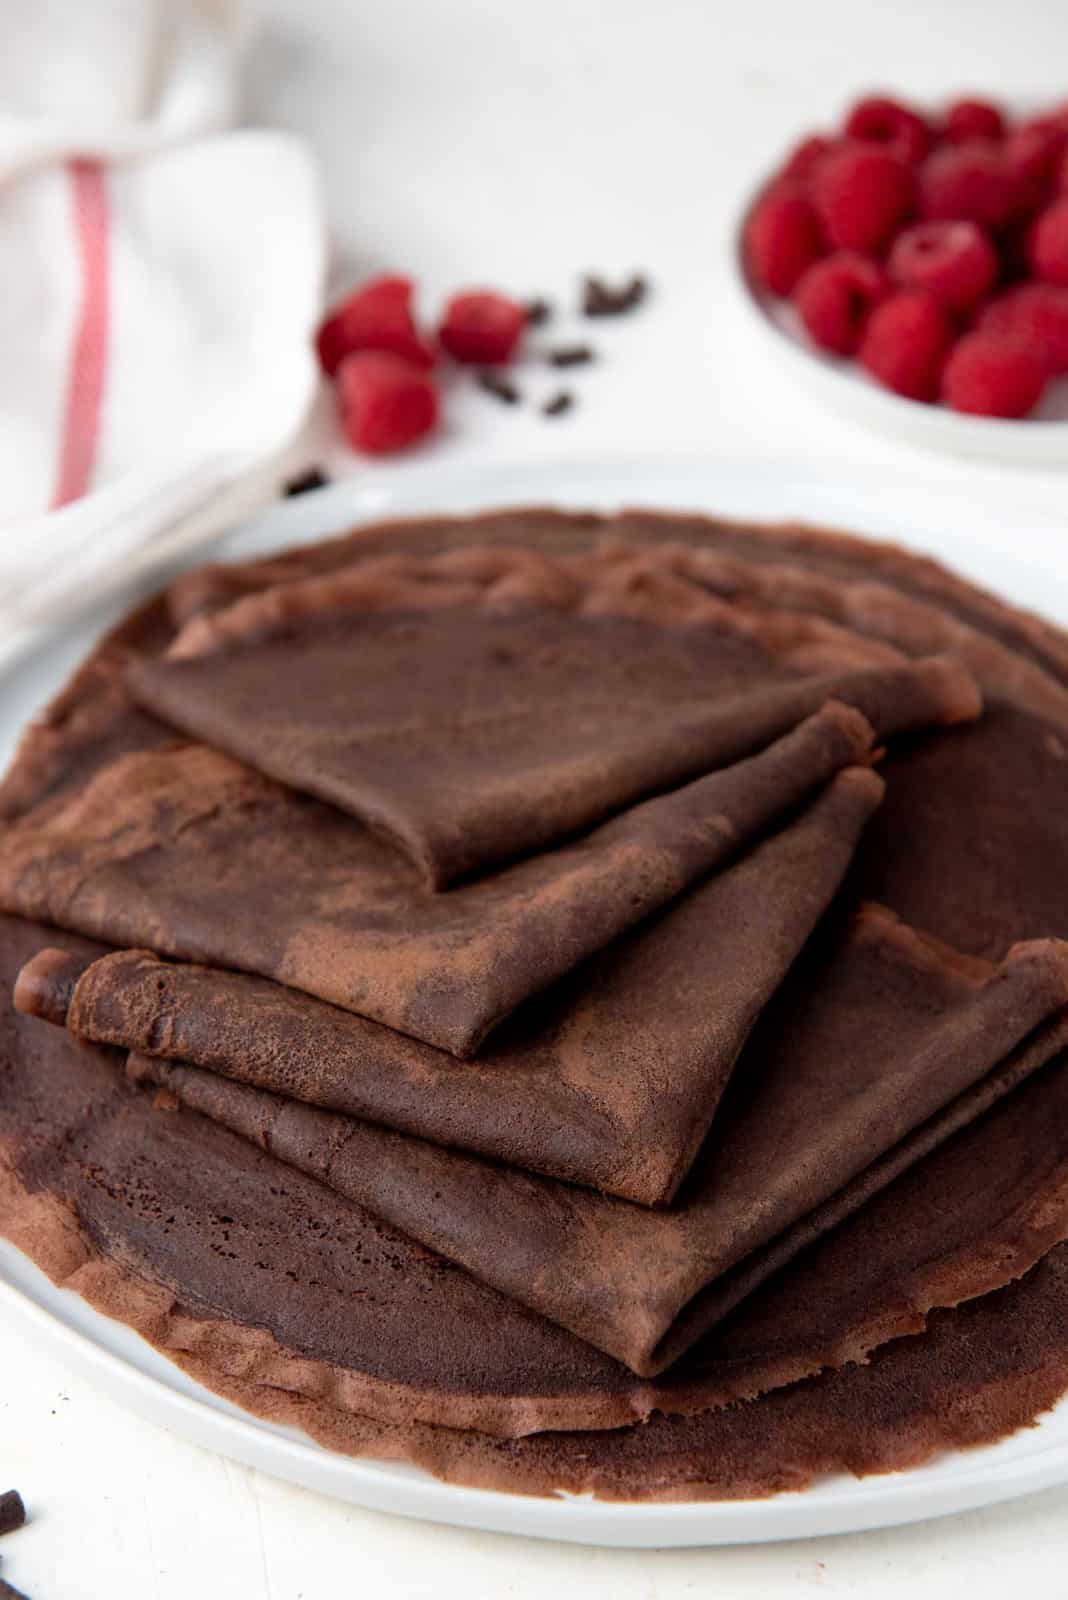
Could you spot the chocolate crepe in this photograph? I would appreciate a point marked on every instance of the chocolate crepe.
(979, 1373)
(830, 554)
(610, 1078)
(228, 1260)
(186, 852)
(969, 847)
(875, 1032)
(469, 734)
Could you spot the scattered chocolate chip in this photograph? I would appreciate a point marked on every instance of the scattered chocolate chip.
(571, 355)
(560, 402)
(304, 482)
(538, 312)
(12, 1511)
(9, 1593)
(497, 384)
(598, 300)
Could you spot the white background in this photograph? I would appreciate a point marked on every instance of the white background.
(519, 144)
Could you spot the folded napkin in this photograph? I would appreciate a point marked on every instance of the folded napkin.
(161, 283)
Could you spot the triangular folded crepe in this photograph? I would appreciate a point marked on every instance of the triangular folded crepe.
(611, 1078)
(481, 705)
(252, 1273)
(876, 1031)
(186, 852)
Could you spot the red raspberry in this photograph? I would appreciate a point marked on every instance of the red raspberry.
(385, 403)
(835, 297)
(879, 120)
(482, 327)
(863, 194)
(969, 182)
(905, 344)
(973, 119)
(377, 317)
(782, 238)
(803, 160)
(993, 376)
(954, 261)
(1032, 154)
(1049, 244)
(1035, 314)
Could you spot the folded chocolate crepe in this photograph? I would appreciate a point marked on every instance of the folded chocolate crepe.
(483, 704)
(251, 1273)
(611, 1078)
(186, 852)
(969, 846)
(875, 1032)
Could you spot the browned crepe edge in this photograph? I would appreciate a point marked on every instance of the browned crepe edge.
(47, 1230)
(208, 587)
(970, 1416)
(874, 609)
(595, 583)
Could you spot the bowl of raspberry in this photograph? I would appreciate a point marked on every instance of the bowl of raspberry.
(913, 264)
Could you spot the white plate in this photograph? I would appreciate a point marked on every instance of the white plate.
(845, 387)
(1016, 550)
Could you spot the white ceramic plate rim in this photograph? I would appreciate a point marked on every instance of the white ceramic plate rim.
(937, 520)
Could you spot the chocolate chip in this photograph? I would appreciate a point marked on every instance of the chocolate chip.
(598, 300)
(571, 355)
(538, 312)
(496, 384)
(304, 482)
(560, 402)
(8, 1593)
(12, 1511)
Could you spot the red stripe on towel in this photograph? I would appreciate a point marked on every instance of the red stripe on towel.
(89, 350)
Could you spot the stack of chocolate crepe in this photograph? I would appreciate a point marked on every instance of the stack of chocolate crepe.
(572, 1002)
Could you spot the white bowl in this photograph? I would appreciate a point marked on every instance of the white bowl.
(843, 385)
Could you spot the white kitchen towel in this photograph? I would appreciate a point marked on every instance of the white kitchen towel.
(162, 278)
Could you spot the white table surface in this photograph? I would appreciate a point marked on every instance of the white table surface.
(519, 144)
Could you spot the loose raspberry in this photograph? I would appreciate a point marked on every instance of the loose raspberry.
(969, 182)
(803, 160)
(377, 317)
(1049, 244)
(954, 261)
(1035, 314)
(993, 376)
(482, 327)
(905, 344)
(782, 238)
(973, 119)
(385, 402)
(835, 298)
(862, 194)
(880, 120)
